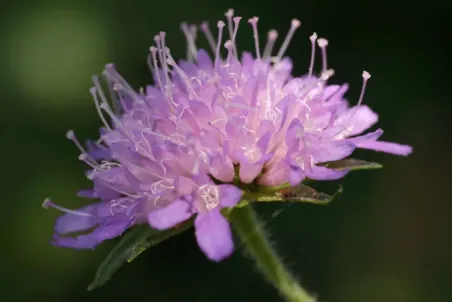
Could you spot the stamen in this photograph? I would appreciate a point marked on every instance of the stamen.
(229, 14)
(181, 73)
(366, 76)
(229, 46)
(294, 25)
(323, 43)
(49, 204)
(313, 38)
(84, 158)
(163, 58)
(191, 47)
(111, 73)
(253, 22)
(154, 50)
(71, 136)
(234, 34)
(206, 30)
(272, 36)
(97, 103)
(220, 25)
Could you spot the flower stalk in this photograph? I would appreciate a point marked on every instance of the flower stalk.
(249, 229)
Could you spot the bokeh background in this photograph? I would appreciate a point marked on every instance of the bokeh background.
(387, 238)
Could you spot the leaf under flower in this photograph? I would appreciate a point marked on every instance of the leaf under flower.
(351, 164)
(130, 246)
(300, 193)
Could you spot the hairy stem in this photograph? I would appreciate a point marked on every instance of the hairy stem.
(250, 232)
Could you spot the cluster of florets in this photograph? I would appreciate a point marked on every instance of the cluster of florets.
(179, 148)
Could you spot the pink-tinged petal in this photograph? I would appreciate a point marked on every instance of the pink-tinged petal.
(328, 91)
(185, 185)
(322, 173)
(169, 216)
(330, 151)
(263, 142)
(106, 231)
(387, 147)
(249, 171)
(372, 136)
(204, 60)
(296, 176)
(200, 110)
(213, 235)
(293, 135)
(222, 168)
(277, 175)
(357, 119)
(229, 195)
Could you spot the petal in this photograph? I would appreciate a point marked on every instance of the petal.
(322, 173)
(89, 241)
(229, 195)
(213, 235)
(333, 150)
(81, 219)
(169, 216)
(296, 176)
(263, 142)
(387, 147)
(293, 135)
(204, 60)
(357, 119)
(277, 175)
(222, 168)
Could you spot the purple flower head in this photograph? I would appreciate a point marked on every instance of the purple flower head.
(179, 147)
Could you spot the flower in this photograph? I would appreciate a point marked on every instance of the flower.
(180, 147)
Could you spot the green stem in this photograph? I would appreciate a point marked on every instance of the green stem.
(250, 232)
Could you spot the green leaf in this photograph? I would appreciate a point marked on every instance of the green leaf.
(132, 244)
(151, 241)
(351, 164)
(300, 193)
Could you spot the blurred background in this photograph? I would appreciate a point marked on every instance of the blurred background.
(387, 238)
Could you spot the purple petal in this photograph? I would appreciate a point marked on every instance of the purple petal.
(204, 60)
(322, 173)
(222, 168)
(296, 176)
(169, 216)
(213, 235)
(263, 142)
(358, 119)
(387, 147)
(292, 135)
(229, 195)
(89, 241)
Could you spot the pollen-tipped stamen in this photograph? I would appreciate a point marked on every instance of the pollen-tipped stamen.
(323, 43)
(293, 27)
(271, 39)
(253, 21)
(220, 26)
(210, 39)
(313, 38)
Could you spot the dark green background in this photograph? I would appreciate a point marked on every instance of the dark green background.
(387, 238)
